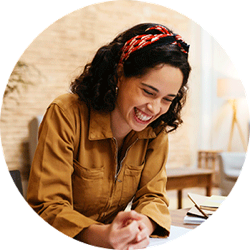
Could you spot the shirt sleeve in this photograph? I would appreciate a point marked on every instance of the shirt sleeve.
(50, 184)
(151, 199)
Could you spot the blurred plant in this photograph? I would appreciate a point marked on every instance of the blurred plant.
(22, 76)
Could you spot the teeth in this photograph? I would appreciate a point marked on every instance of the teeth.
(141, 116)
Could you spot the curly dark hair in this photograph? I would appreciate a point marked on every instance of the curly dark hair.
(96, 86)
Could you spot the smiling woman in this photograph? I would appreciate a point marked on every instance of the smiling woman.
(106, 143)
(142, 100)
(97, 85)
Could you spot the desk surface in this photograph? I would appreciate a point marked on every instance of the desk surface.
(177, 217)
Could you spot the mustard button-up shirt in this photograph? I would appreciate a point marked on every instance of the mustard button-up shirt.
(78, 178)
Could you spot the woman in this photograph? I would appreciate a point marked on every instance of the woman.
(106, 143)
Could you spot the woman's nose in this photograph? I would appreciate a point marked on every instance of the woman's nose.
(154, 107)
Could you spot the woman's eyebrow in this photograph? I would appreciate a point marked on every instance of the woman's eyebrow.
(155, 89)
(149, 86)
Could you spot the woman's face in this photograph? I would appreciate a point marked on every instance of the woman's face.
(141, 100)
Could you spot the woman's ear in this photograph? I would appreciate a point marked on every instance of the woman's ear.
(120, 74)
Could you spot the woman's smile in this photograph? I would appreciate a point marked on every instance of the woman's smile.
(142, 117)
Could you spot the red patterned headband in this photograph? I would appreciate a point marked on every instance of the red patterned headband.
(141, 41)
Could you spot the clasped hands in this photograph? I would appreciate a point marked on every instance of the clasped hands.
(129, 230)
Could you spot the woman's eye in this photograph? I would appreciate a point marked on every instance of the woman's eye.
(168, 100)
(147, 92)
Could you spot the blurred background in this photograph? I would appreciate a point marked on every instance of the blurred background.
(215, 131)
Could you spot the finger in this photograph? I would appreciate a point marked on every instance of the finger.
(130, 232)
(120, 238)
(143, 233)
(127, 222)
(140, 216)
(124, 218)
(129, 215)
(139, 245)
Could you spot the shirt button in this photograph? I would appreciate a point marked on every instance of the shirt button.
(119, 180)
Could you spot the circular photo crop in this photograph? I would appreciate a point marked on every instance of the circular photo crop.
(124, 125)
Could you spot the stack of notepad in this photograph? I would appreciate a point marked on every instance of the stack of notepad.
(204, 207)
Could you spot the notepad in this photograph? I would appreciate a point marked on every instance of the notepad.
(197, 198)
(204, 207)
(207, 202)
(195, 212)
(212, 203)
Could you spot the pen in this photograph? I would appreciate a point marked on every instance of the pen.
(200, 210)
(203, 213)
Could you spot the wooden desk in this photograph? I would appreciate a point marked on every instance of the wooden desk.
(180, 178)
(177, 217)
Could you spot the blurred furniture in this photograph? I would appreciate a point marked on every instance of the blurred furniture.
(180, 178)
(230, 167)
(208, 159)
(33, 135)
(16, 176)
(231, 90)
(203, 176)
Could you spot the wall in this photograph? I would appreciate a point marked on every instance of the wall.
(58, 54)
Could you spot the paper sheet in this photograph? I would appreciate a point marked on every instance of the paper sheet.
(175, 232)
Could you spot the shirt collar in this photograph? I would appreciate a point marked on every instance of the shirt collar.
(100, 127)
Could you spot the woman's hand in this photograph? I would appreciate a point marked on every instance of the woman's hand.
(129, 230)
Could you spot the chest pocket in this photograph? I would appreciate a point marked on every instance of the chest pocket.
(131, 180)
(87, 188)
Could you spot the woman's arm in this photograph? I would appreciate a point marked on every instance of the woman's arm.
(50, 184)
(151, 199)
